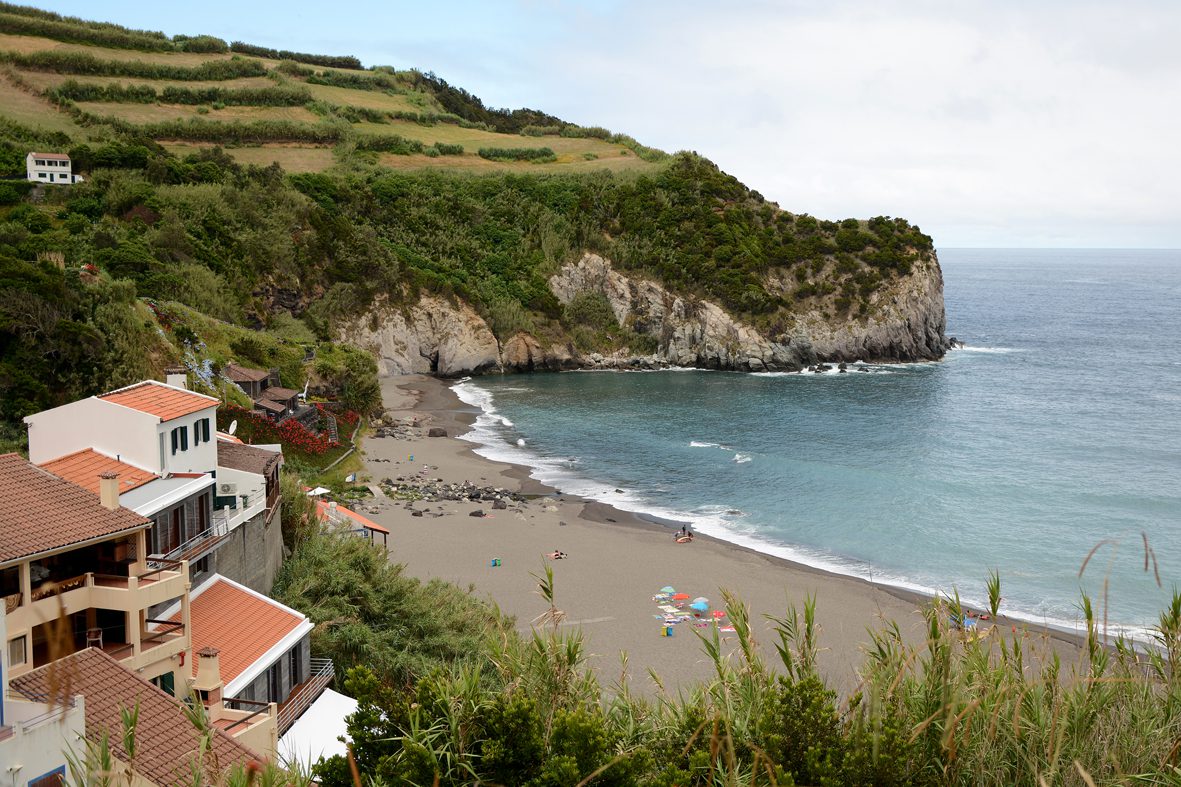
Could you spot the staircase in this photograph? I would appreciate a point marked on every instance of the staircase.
(330, 428)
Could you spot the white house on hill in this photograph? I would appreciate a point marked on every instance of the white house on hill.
(50, 168)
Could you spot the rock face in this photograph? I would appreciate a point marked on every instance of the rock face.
(905, 323)
(433, 336)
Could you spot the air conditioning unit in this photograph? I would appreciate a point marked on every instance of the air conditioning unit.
(227, 490)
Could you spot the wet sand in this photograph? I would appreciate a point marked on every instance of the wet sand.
(616, 562)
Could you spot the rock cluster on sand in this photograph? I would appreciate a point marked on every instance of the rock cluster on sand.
(434, 490)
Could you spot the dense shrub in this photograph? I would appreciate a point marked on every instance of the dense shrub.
(390, 143)
(258, 131)
(79, 31)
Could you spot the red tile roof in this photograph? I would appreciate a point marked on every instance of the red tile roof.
(238, 622)
(166, 742)
(83, 468)
(40, 512)
(54, 156)
(160, 400)
(324, 509)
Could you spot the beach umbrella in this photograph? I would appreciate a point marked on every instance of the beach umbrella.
(680, 596)
(665, 589)
(699, 606)
(700, 600)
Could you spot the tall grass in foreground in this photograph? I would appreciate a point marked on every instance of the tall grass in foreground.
(959, 708)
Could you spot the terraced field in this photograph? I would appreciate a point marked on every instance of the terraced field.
(27, 96)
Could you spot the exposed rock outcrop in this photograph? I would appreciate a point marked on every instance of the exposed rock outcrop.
(433, 336)
(905, 322)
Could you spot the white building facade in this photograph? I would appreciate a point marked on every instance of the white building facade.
(54, 168)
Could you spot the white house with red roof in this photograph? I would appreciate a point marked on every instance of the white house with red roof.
(161, 442)
(53, 168)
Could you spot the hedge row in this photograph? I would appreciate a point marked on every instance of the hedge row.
(80, 32)
(331, 61)
(146, 94)
(518, 154)
(400, 146)
(89, 65)
(258, 131)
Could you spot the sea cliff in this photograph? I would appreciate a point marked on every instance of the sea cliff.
(904, 322)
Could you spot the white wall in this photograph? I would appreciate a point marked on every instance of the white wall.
(93, 423)
(55, 171)
(38, 747)
(199, 458)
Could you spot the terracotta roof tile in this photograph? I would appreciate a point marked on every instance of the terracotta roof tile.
(325, 508)
(241, 624)
(244, 374)
(54, 156)
(247, 458)
(84, 467)
(165, 739)
(39, 511)
(160, 400)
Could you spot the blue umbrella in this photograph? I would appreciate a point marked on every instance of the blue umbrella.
(700, 606)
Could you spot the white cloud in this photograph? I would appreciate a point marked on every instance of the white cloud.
(1050, 123)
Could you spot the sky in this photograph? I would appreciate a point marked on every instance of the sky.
(1044, 123)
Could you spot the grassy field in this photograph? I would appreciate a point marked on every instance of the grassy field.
(18, 105)
(367, 99)
(292, 158)
(578, 155)
(157, 113)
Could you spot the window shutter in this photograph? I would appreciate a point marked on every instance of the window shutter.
(175, 441)
(184, 438)
(205, 429)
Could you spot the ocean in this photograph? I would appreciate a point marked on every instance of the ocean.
(1056, 431)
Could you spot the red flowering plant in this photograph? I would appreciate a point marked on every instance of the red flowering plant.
(258, 428)
(349, 417)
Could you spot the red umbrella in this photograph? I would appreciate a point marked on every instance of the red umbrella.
(680, 596)
(719, 613)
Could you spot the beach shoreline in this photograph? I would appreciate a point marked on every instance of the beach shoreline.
(618, 559)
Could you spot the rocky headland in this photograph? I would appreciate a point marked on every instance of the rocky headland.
(904, 322)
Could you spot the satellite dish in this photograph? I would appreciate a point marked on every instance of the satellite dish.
(233, 427)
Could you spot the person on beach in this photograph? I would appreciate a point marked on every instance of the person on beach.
(557, 555)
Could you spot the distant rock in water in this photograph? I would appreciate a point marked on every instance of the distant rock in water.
(903, 320)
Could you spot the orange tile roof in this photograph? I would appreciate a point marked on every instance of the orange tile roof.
(54, 156)
(166, 741)
(239, 623)
(39, 511)
(84, 467)
(364, 522)
(160, 400)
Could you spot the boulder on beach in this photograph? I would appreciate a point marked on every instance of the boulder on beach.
(436, 431)
(478, 512)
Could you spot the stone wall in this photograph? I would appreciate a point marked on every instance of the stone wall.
(252, 554)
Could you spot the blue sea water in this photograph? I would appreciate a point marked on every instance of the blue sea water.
(1056, 430)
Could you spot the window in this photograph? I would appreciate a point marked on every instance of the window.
(55, 778)
(180, 439)
(16, 651)
(275, 683)
(294, 664)
(165, 683)
(201, 431)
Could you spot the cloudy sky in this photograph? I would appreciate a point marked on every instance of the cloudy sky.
(1050, 123)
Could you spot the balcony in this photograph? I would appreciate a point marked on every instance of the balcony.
(303, 695)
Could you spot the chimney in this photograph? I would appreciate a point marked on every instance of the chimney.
(209, 675)
(108, 490)
(176, 376)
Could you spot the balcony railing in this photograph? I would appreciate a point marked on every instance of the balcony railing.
(200, 544)
(257, 709)
(166, 632)
(302, 697)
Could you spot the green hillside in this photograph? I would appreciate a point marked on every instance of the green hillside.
(282, 192)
